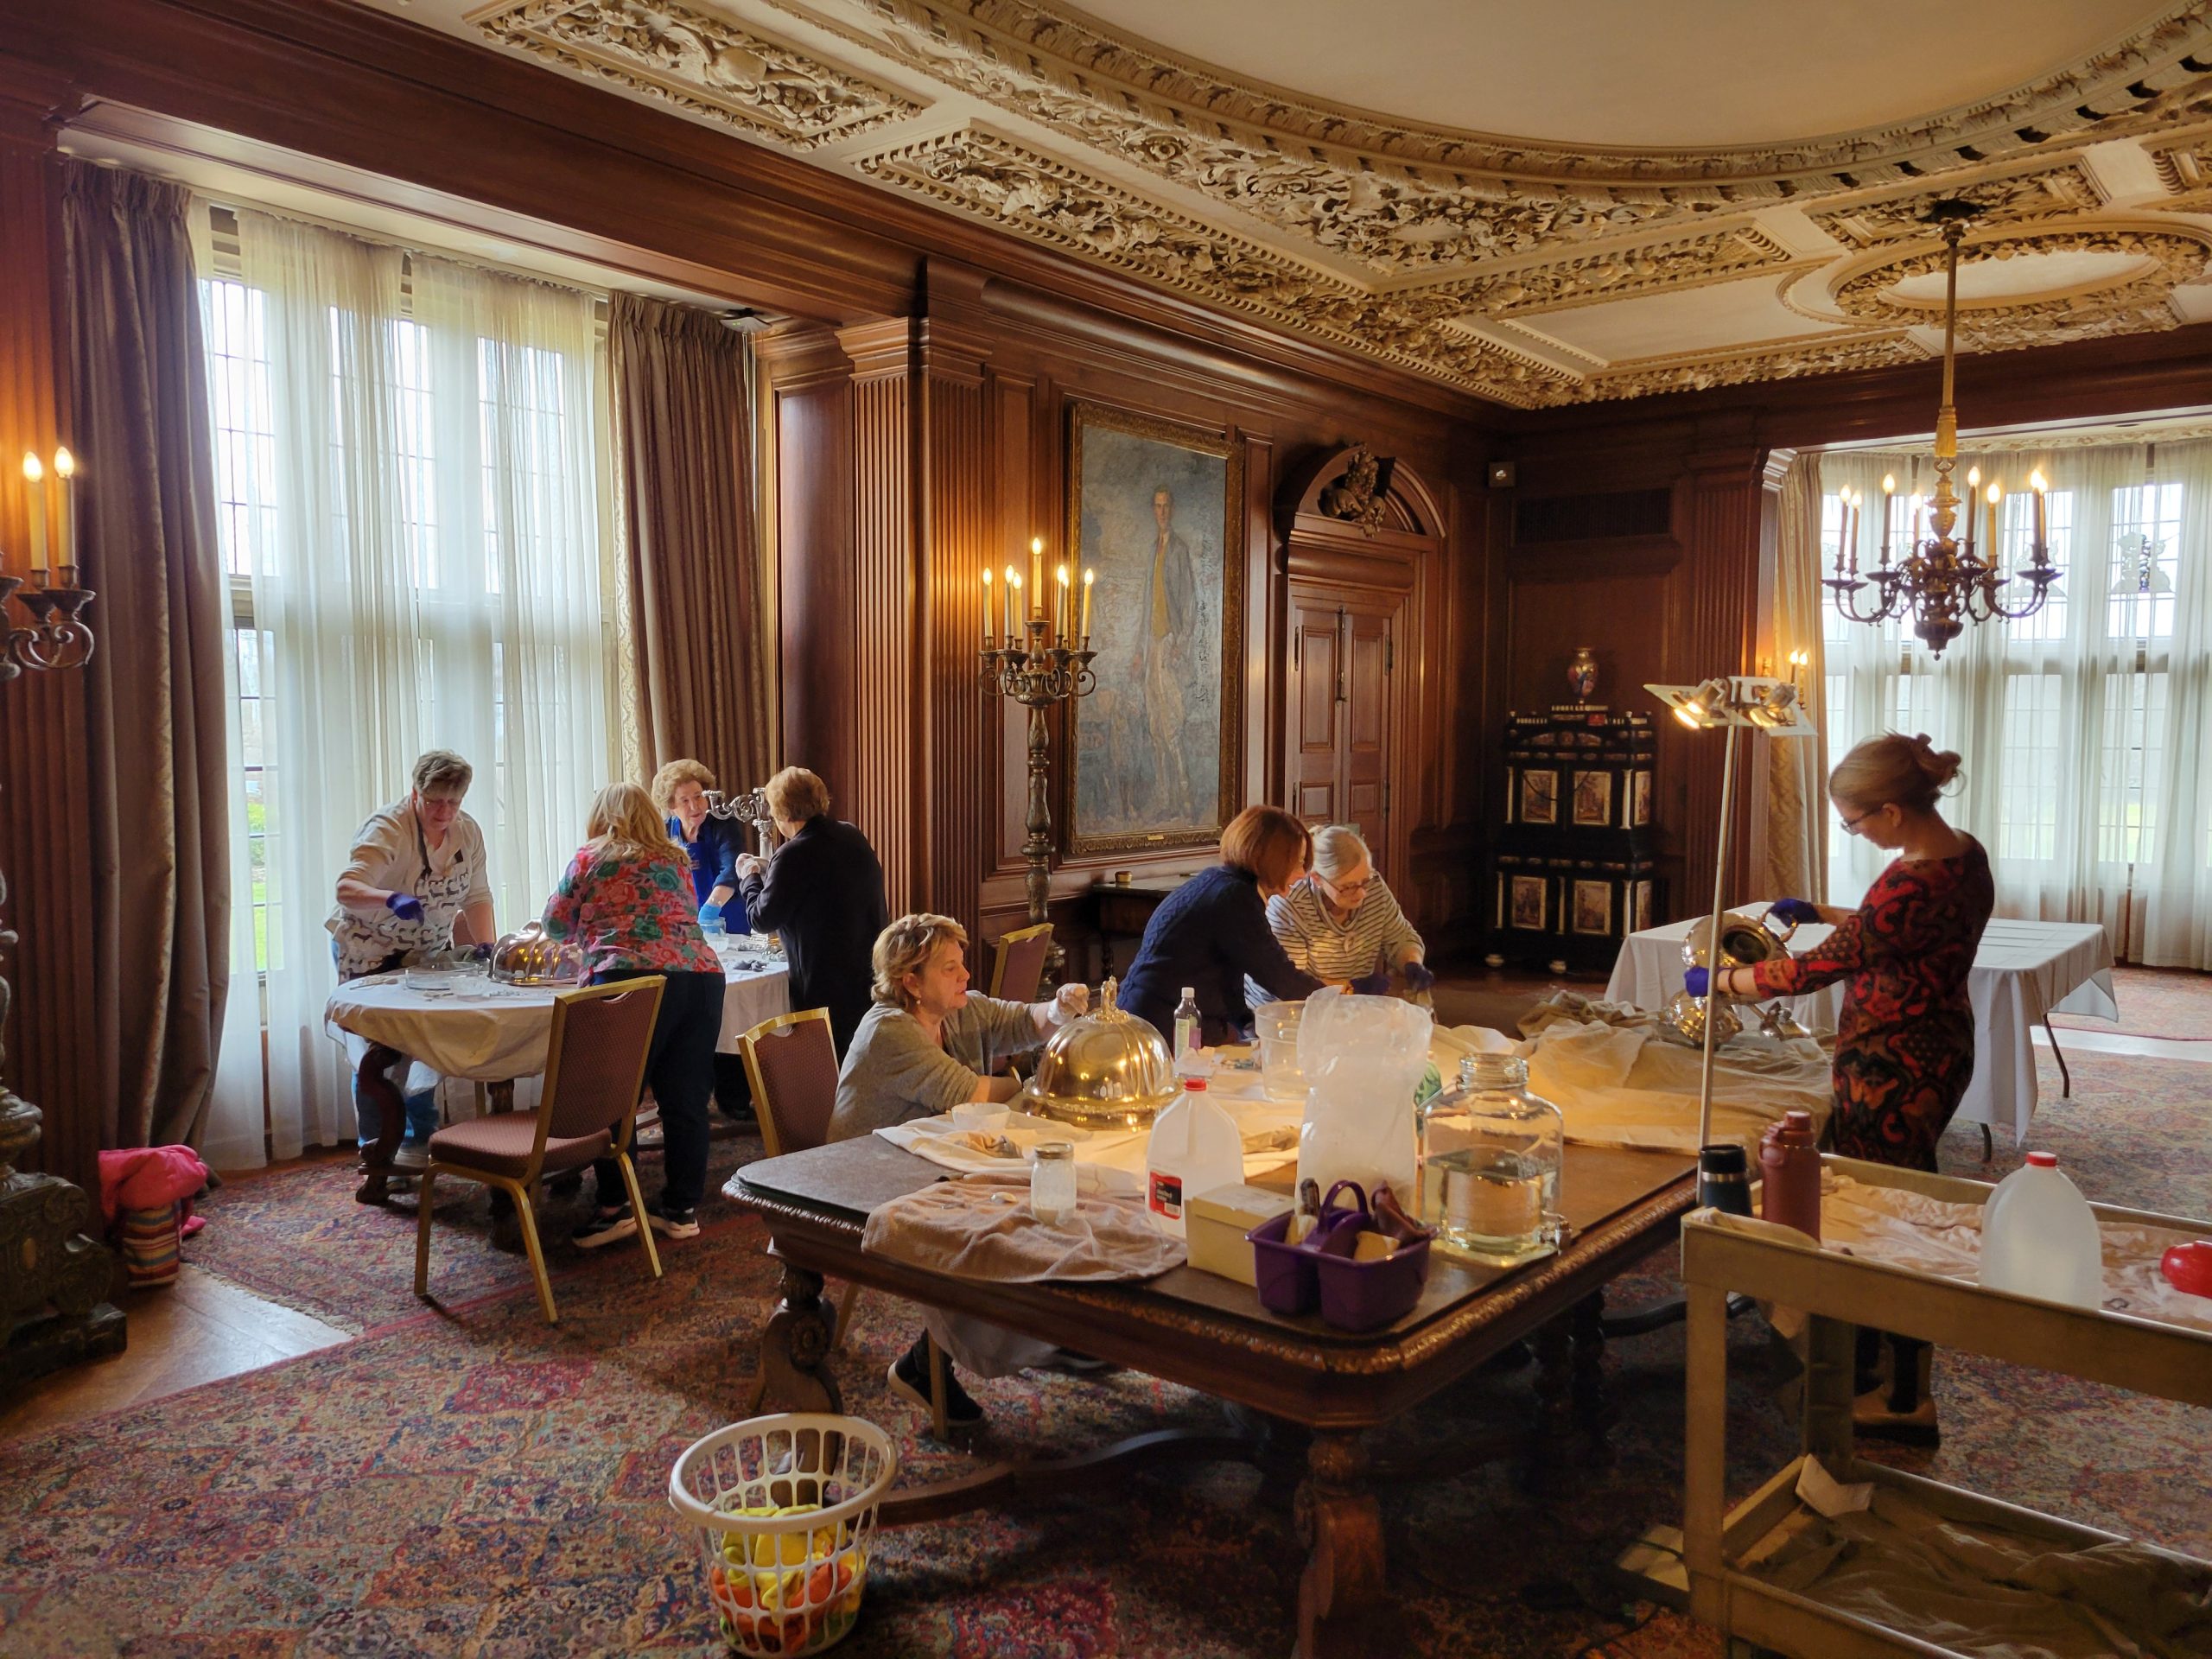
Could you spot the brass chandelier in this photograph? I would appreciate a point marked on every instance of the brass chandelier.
(1945, 581)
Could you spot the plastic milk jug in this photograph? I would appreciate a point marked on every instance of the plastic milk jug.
(2041, 1240)
(1195, 1147)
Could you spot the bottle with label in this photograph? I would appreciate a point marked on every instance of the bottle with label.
(1490, 1162)
(1790, 1174)
(1195, 1147)
(1186, 1023)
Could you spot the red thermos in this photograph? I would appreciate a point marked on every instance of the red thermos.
(1789, 1172)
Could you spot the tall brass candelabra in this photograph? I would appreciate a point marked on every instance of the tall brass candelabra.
(1040, 675)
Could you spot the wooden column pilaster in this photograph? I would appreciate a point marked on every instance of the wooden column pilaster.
(44, 782)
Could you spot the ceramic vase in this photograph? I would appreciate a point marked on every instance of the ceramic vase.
(1582, 674)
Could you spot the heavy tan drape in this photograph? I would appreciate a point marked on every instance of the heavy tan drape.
(1798, 823)
(696, 685)
(154, 688)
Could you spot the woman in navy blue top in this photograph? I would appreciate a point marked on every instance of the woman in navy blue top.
(712, 844)
(1211, 932)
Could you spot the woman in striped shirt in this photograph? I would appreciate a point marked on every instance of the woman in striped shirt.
(1340, 923)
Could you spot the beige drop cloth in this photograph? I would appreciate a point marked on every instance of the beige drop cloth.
(1968, 1586)
(980, 1227)
(1617, 1083)
(1904, 1229)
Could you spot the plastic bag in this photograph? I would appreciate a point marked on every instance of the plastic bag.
(1363, 1057)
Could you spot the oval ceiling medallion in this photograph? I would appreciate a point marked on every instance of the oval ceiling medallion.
(2055, 267)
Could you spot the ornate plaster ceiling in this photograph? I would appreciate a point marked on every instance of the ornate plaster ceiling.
(1691, 236)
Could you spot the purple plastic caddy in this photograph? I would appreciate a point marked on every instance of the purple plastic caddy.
(1293, 1279)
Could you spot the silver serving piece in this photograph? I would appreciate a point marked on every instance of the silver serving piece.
(1106, 1070)
(1746, 939)
(529, 957)
(752, 808)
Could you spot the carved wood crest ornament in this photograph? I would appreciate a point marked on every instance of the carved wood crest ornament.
(1532, 273)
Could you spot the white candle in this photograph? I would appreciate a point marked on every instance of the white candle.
(65, 468)
(1089, 577)
(1037, 573)
(35, 499)
(2039, 484)
(1014, 593)
(987, 597)
(1062, 608)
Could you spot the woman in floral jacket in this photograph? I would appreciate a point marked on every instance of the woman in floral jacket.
(626, 901)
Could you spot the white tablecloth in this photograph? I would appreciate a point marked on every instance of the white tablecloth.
(2025, 972)
(491, 1032)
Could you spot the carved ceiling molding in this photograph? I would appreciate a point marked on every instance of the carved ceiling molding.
(1778, 361)
(1423, 249)
(2043, 192)
(1617, 273)
(702, 64)
(986, 173)
(2173, 255)
(2153, 72)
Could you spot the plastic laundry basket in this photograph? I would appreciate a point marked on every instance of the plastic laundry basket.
(783, 1508)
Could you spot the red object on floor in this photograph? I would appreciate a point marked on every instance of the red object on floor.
(2188, 1267)
(146, 1178)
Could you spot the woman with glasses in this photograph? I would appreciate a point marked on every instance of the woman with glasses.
(1340, 923)
(1904, 1038)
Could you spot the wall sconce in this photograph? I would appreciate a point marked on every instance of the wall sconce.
(58, 637)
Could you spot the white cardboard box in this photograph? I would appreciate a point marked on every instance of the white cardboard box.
(1215, 1224)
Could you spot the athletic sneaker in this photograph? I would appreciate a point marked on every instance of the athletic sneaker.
(607, 1227)
(673, 1223)
(910, 1376)
(411, 1154)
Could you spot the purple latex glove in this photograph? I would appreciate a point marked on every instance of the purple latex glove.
(405, 905)
(1376, 984)
(1695, 980)
(1795, 910)
(1418, 978)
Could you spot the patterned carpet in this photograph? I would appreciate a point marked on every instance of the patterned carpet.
(2171, 1002)
(471, 1481)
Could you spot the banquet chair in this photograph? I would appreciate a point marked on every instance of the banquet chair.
(594, 1071)
(1018, 962)
(792, 1062)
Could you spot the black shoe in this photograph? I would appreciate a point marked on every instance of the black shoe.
(672, 1223)
(910, 1375)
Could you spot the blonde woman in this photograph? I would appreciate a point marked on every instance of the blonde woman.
(712, 844)
(626, 901)
(925, 1042)
(922, 1050)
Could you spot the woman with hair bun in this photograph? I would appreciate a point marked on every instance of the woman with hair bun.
(1904, 1039)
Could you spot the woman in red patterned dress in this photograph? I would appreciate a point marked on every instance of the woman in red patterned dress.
(1904, 1040)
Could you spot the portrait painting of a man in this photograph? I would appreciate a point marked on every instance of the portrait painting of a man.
(1151, 510)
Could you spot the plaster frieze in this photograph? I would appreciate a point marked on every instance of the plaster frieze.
(1774, 362)
(2045, 193)
(987, 174)
(2145, 77)
(2169, 255)
(702, 64)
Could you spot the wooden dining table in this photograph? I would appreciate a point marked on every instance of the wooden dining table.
(1292, 1383)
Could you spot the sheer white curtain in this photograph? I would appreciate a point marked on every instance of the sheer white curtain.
(411, 457)
(2082, 778)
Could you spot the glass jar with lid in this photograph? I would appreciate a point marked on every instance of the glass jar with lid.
(1052, 1183)
(1489, 1163)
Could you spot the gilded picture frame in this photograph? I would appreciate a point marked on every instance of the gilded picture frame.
(1593, 907)
(1157, 509)
(1526, 903)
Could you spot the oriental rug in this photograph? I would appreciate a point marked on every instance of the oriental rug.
(2171, 1002)
(469, 1480)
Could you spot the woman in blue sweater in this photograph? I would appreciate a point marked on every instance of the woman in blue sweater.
(711, 844)
(1211, 933)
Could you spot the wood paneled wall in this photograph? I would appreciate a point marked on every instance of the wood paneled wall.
(43, 782)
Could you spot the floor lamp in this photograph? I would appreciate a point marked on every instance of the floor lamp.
(1729, 703)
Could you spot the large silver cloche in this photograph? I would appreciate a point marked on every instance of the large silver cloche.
(1105, 1070)
(1746, 940)
(528, 957)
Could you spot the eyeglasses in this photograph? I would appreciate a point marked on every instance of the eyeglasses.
(1851, 824)
(1360, 886)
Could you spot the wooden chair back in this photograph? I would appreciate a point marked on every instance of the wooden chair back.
(792, 1062)
(1018, 962)
(595, 1064)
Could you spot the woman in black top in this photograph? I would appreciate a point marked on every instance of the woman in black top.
(822, 895)
(1211, 932)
